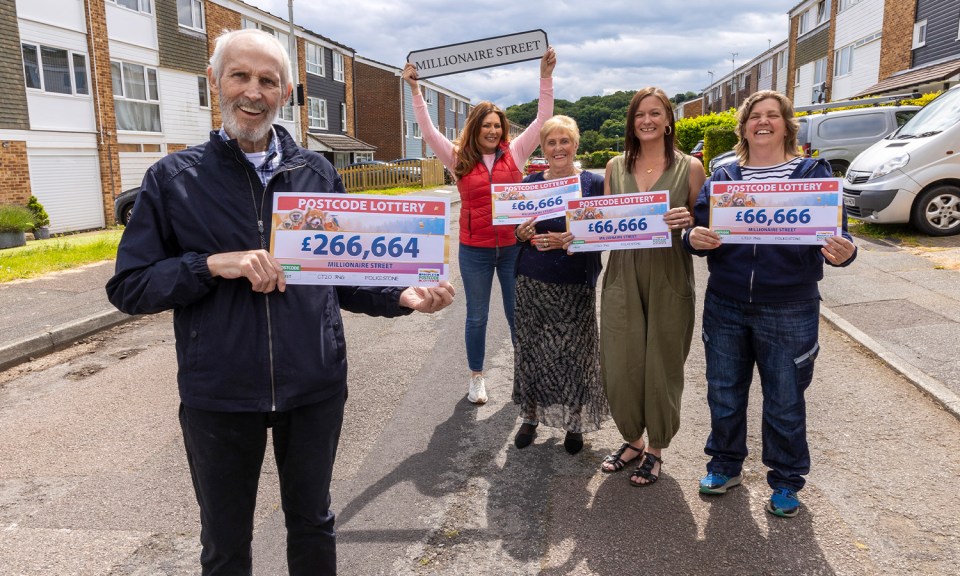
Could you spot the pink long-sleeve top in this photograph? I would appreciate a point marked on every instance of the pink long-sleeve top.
(520, 147)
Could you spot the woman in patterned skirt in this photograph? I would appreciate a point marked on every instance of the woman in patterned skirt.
(556, 378)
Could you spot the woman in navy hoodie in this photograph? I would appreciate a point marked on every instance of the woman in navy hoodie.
(762, 308)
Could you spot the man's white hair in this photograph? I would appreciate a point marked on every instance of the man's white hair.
(225, 39)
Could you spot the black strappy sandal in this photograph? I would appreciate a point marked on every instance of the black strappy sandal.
(616, 459)
(645, 470)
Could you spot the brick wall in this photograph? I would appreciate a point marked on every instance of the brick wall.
(792, 58)
(349, 97)
(14, 177)
(693, 108)
(171, 148)
(13, 93)
(897, 39)
(379, 116)
(101, 83)
(219, 20)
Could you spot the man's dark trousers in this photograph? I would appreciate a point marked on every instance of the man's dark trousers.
(225, 452)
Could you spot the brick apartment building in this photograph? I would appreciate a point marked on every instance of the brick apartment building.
(96, 91)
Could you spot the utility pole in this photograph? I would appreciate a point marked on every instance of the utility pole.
(296, 75)
(736, 83)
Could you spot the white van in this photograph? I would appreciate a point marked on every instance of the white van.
(912, 175)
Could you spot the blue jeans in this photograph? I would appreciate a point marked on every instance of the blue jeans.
(781, 340)
(225, 452)
(476, 269)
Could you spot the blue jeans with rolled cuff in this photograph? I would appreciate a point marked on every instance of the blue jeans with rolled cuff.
(781, 340)
(225, 452)
(477, 266)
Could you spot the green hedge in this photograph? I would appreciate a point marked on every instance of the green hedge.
(691, 130)
(716, 141)
(921, 101)
(598, 159)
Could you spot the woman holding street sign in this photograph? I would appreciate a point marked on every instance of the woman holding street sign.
(556, 372)
(762, 308)
(647, 307)
(484, 155)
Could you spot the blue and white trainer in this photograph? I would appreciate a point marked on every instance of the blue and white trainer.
(716, 483)
(784, 503)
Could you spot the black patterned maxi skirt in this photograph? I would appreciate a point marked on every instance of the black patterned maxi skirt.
(556, 374)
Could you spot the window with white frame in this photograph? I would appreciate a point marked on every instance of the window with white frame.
(427, 95)
(823, 12)
(338, 67)
(781, 59)
(796, 77)
(463, 108)
(55, 70)
(804, 25)
(315, 59)
(766, 68)
(416, 131)
(820, 71)
(136, 5)
(190, 14)
(361, 156)
(920, 34)
(343, 117)
(136, 96)
(451, 134)
(819, 80)
(844, 4)
(843, 61)
(245, 23)
(203, 91)
(453, 104)
(317, 113)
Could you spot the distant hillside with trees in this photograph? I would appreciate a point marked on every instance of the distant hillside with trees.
(601, 118)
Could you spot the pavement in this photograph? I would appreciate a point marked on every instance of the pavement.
(900, 303)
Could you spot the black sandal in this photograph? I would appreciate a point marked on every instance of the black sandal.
(616, 459)
(645, 470)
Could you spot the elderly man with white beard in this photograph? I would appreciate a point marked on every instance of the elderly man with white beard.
(253, 353)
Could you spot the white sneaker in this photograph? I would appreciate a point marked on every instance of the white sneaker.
(478, 390)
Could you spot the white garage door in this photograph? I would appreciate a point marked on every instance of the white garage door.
(67, 183)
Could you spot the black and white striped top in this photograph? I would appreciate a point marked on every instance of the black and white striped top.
(778, 172)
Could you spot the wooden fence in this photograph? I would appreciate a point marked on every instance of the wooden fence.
(426, 173)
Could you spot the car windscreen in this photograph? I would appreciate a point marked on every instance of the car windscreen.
(940, 114)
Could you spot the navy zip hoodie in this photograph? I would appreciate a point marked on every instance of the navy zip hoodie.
(763, 273)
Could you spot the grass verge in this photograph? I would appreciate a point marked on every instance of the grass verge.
(59, 253)
(902, 234)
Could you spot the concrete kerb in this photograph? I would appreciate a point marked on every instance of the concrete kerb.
(929, 386)
(59, 337)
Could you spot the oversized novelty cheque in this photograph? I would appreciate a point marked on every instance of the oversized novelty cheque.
(361, 240)
(776, 211)
(518, 202)
(477, 54)
(619, 221)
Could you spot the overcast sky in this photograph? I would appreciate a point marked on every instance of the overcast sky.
(602, 45)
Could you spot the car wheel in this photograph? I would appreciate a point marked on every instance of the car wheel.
(126, 213)
(937, 211)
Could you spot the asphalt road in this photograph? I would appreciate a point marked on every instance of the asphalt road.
(93, 480)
